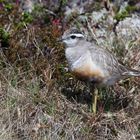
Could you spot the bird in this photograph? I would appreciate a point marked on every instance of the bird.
(92, 63)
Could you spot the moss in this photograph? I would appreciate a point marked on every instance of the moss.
(27, 17)
(4, 36)
(122, 15)
(125, 13)
(8, 6)
(64, 2)
(131, 8)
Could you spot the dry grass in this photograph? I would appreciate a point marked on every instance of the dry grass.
(40, 99)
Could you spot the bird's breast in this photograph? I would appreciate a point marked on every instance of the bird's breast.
(86, 69)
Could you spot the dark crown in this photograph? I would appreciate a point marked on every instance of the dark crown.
(72, 31)
(75, 31)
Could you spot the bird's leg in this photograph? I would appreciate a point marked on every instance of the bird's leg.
(94, 100)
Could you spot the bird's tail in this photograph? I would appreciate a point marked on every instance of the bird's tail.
(132, 72)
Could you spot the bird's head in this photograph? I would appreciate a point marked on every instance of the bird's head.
(71, 37)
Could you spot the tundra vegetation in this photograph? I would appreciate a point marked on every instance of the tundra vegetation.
(39, 98)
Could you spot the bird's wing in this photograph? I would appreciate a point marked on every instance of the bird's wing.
(106, 60)
(131, 72)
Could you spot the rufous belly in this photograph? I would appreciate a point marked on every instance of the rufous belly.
(88, 73)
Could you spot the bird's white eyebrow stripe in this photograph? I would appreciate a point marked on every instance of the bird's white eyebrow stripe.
(78, 35)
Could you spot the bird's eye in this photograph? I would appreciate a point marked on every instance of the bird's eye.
(73, 37)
